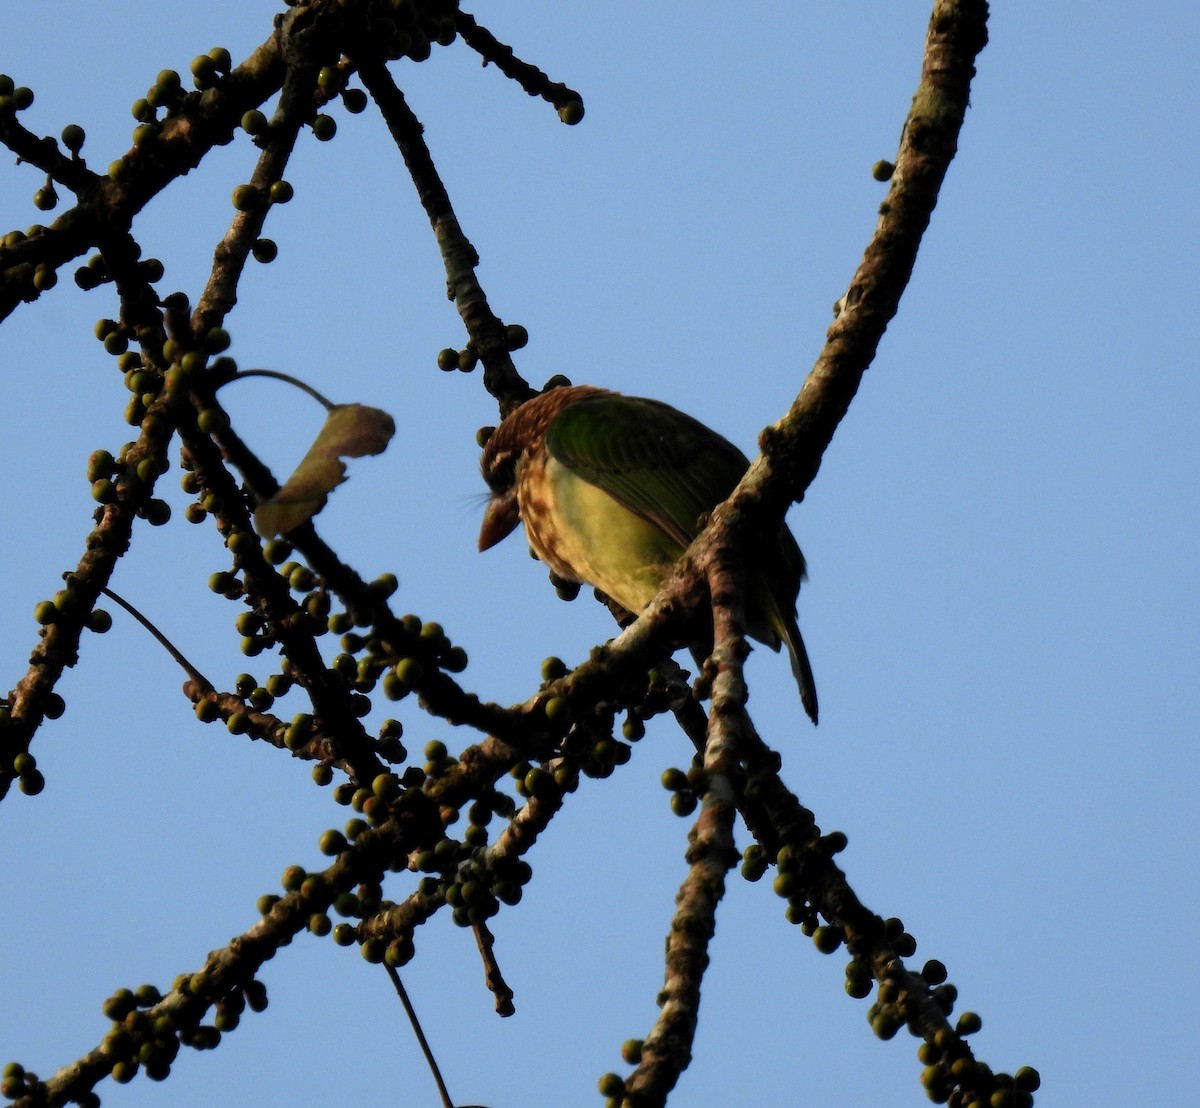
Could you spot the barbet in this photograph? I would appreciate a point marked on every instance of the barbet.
(612, 489)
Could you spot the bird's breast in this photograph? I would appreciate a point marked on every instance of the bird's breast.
(584, 534)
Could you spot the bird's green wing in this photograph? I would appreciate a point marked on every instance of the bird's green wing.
(663, 465)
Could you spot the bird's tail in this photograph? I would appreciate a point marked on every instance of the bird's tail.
(801, 667)
(781, 627)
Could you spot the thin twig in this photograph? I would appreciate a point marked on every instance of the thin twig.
(203, 682)
(494, 979)
(528, 76)
(402, 993)
(459, 257)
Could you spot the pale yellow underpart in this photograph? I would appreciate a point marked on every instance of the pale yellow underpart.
(601, 542)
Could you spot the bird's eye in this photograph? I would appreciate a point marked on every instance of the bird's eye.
(501, 475)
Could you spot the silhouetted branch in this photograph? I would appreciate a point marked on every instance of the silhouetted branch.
(486, 331)
(529, 77)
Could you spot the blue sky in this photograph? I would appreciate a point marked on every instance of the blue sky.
(1003, 610)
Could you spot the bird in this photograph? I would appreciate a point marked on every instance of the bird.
(612, 489)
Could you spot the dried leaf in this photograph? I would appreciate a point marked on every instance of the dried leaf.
(350, 431)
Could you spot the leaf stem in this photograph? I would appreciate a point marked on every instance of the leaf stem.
(303, 386)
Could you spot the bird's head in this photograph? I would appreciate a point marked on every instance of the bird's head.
(518, 437)
(503, 513)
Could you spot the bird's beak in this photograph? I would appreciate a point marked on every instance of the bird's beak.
(500, 519)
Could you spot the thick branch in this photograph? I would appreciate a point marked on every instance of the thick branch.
(793, 447)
